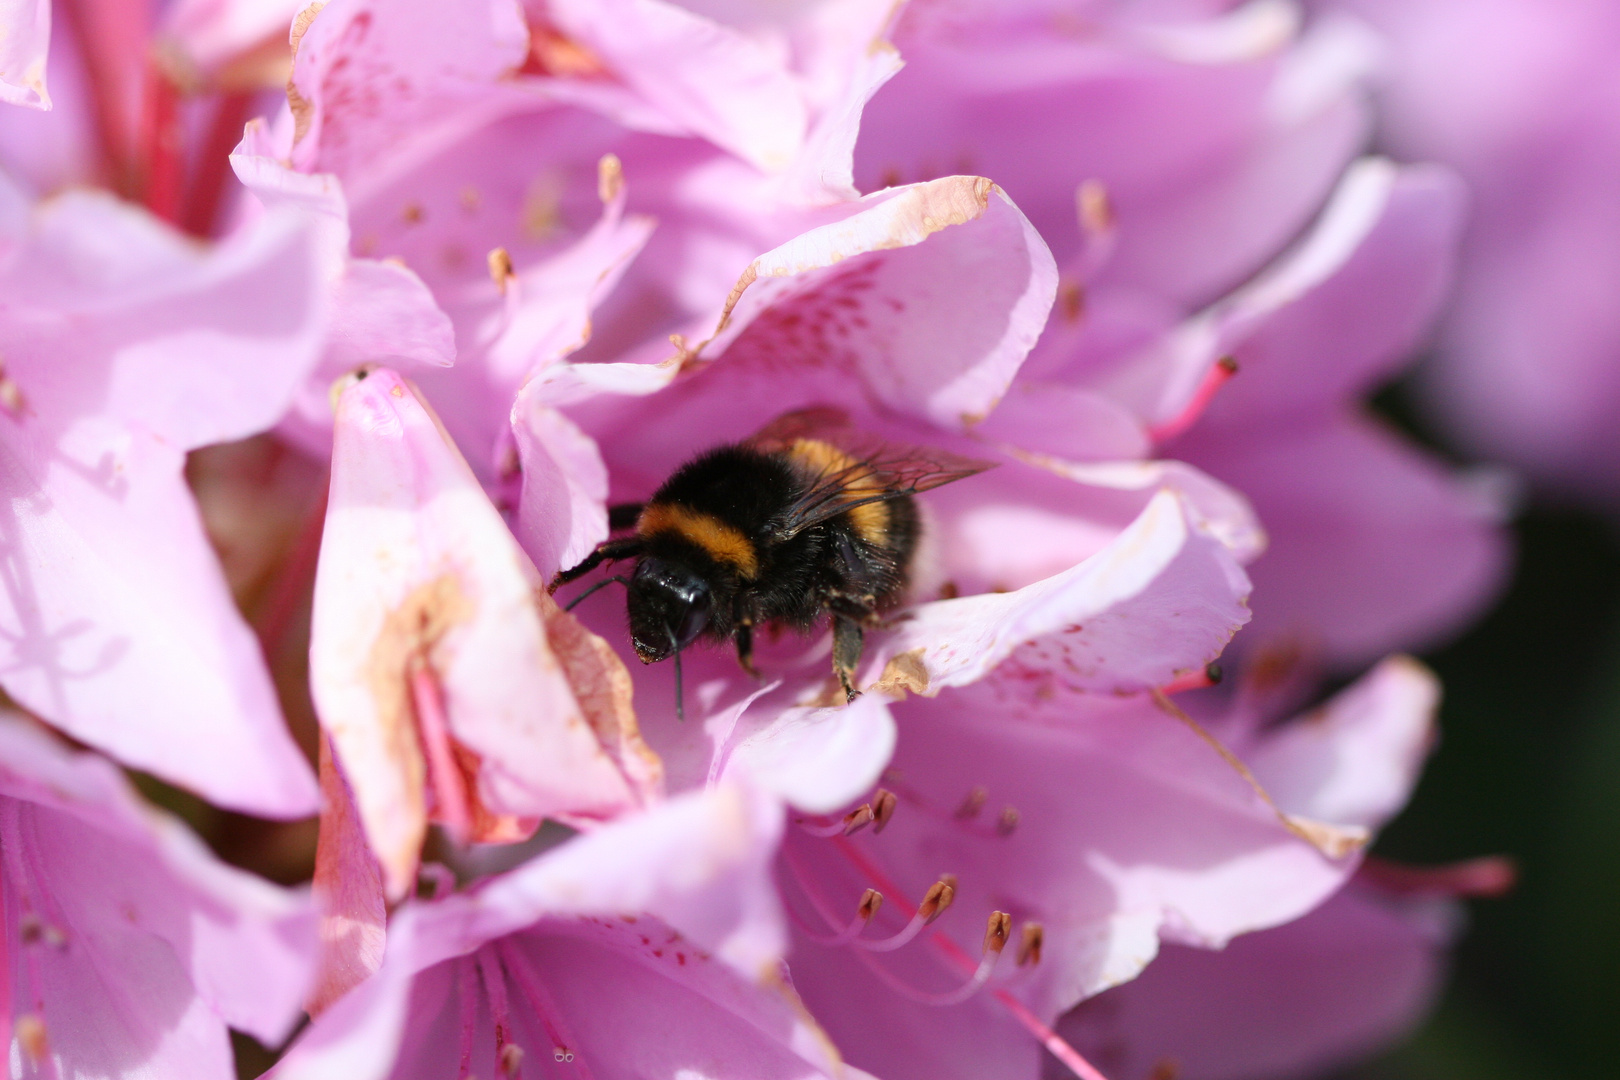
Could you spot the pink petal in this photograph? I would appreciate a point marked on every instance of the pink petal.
(348, 891)
(134, 346)
(1356, 760)
(25, 31)
(214, 32)
(562, 514)
(1414, 550)
(1162, 599)
(931, 294)
(708, 78)
(698, 863)
(416, 562)
(816, 760)
(164, 944)
(1194, 123)
(438, 71)
(1104, 820)
(1262, 1006)
(1382, 220)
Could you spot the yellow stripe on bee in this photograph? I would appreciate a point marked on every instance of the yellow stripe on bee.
(819, 458)
(724, 543)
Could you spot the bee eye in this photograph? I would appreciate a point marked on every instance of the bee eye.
(693, 619)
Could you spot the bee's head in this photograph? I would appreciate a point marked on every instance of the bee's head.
(669, 607)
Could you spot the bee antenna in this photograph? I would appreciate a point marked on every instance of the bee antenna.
(680, 705)
(572, 604)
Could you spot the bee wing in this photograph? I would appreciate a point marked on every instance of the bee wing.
(878, 471)
(825, 422)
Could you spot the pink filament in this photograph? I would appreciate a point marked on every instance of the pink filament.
(1218, 375)
(542, 1005)
(1050, 1039)
(449, 793)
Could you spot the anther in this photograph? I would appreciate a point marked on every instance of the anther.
(858, 819)
(1218, 375)
(609, 177)
(562, 1054)
(32, 930)
(1093, 207)
(971, 804)
(11, 395)
(1007, 822)
(511, 1059)
(31, 1036)
(883, 806)
(1202, 679)
(871, 901)
(996, 932)
(1030, 940)
(937, 899)
(500, 268)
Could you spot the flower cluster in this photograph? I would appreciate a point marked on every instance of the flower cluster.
(484, 271)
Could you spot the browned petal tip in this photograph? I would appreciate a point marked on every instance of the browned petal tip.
(937, 899)
(500, 268)
(858, 819)
(996, 931)
(883, 806)
(1030, 940)
(871, 901)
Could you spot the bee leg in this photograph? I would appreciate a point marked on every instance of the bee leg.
(848, 638)
(612, 549)
(745, 648)
(623, 516)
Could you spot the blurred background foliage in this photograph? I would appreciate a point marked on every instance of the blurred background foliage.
(1527, 767)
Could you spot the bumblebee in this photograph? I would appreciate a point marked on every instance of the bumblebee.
(806, 517)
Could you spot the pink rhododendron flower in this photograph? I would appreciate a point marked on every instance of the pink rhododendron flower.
(432, 663)
(1518, 98)
(637, 229)
(129, 947)
(1344, 980)
(667, 915)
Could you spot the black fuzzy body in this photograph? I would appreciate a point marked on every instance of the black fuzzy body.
(842, 564)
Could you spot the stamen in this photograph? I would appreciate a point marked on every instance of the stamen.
(1218, 375)
(32, 1037)
(883, 807)
(542, 1006)
(444, 776)
(467, 978)
(511, 1059)
(935, 902)
(494, 978)
(871, 901)
(1493, 875)
(1334, 841)
(501, 269)
(996, 931)
(1029, 945)
(972, 803)
(1007, 822)
(858, 819)
(1209, 675)
(1051, 1040)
